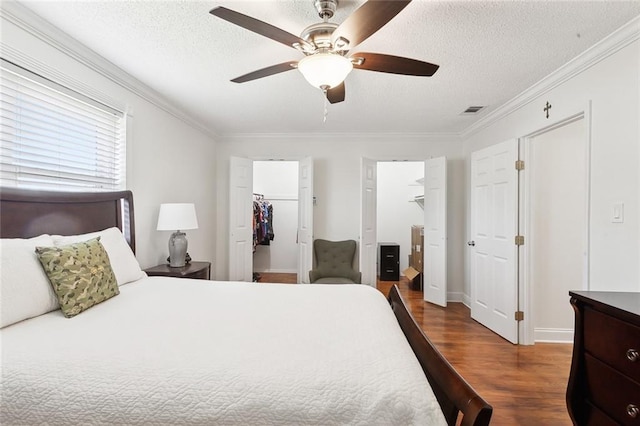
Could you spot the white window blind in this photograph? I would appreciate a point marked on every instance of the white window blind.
(57, 139)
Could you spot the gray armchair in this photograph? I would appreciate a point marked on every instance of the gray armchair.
(334, 263)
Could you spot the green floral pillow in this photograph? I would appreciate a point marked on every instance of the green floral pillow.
(80, 274)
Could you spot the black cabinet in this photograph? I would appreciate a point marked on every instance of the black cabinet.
(389, 261)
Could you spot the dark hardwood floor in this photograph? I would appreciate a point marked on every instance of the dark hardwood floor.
(273, 277)
(525, 384)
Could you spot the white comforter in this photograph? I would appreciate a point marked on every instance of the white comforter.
(187, 352)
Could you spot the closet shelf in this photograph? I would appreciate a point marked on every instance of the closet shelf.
(419, 199)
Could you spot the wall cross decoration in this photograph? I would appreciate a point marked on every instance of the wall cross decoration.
(547, 108)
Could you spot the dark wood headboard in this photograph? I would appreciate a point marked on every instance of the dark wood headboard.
(28, 213)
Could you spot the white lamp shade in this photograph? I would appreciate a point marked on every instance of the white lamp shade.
(325, 70)
(177, 216)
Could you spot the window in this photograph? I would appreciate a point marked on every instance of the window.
(54, 138)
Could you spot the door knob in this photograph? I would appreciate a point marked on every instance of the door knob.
(471, 243)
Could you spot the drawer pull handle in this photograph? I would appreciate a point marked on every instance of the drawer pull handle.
(633, 411)
(632, 355)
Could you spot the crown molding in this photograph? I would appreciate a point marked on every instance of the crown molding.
(380, 137)
(33, 65)
(24, 18)
(617, 40)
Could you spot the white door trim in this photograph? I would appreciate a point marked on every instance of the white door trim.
(525, 287)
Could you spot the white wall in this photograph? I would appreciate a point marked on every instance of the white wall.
(611, 86)
(168, 159)
(337, 180)
(396, 214)
(278, 182)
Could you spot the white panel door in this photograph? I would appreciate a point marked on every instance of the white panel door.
(368, 249)
(240, 219)
(305, 219)
(494, 225)
(435, 231)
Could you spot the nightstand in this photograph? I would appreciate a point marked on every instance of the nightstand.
(197, 270)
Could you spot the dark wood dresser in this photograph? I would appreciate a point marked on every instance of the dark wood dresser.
(604, 382)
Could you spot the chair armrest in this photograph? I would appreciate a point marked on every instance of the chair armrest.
(314, 275)
(356, 277)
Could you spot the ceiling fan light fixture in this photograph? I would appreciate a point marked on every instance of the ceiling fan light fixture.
(325, 70)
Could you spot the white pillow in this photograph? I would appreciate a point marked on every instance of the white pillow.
(123, 262)
(25, 291)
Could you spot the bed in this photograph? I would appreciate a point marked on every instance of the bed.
(179, 351)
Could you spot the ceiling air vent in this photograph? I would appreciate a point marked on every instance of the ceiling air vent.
(472, 110)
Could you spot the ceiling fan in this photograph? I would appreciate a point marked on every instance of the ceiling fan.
(326, 46)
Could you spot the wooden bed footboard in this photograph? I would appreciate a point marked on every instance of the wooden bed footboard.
(454, 394)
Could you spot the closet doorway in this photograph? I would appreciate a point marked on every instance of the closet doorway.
(400, 194)
(428, 190)
(242, 190)
(275, 186)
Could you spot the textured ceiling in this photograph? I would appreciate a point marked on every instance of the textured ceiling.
(488, 52)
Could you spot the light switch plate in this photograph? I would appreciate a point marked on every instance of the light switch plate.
(618, 213)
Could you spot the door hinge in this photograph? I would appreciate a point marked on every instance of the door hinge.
(519, 316)
(519, 240)
(519, 164)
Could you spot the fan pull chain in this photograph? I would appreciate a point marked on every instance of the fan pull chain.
(326, 110)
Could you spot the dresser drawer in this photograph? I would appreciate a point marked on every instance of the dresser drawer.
(595, 417)
(613, 341)
(611, 391)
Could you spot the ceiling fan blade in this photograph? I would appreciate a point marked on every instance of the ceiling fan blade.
(257, 26)
(266, 72)
(336, 94)
(366, 20)
(392, 64)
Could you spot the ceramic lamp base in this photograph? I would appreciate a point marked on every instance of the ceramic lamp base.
(177, 249)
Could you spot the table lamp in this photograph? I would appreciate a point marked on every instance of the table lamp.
(177, 217)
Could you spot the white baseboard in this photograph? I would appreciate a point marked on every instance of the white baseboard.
(456, 297)
(459, 297)
(465, 299)
(278, 271)
(553, 335)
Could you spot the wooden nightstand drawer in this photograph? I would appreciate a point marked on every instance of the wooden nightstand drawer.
(615, 342)
(611, 391)
(195, 270)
